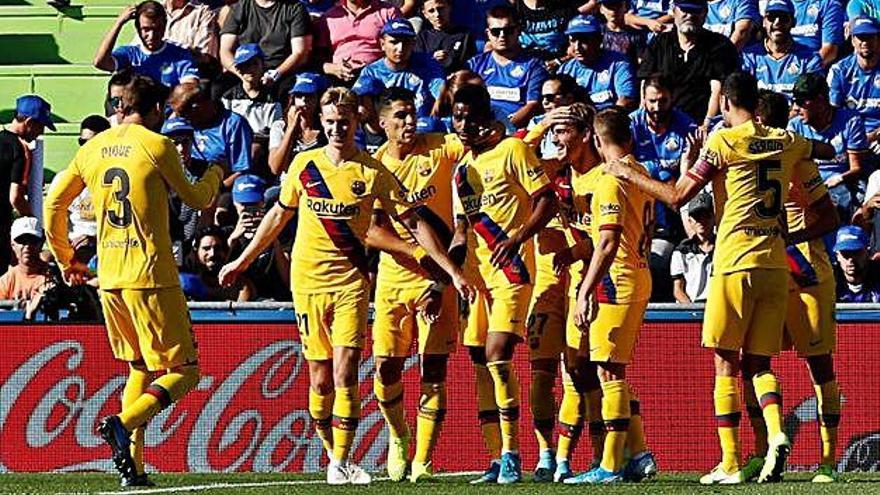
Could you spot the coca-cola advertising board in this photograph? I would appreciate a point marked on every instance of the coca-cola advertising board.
(250, 409)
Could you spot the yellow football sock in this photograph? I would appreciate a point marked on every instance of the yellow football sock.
(138, 380)
(727, 416)
(541, 402)
(828, 398)
(770, 397)
(571, 420)
(616, 413)
(487, 411)
(432, 411)
(321, 411)
(161, 393)
(507, 400)
(635, 436)
(390, 399)
(346, 415)
(756, 418)
(594, 420)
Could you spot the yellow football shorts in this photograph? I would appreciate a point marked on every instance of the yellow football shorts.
(810, 328)
(149, 324)
(331, 319)
(496, 309)
(397, 321)
(746, 310)
(615, 331)
(545, 325)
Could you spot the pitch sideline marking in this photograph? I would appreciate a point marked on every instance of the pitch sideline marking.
(254, 484)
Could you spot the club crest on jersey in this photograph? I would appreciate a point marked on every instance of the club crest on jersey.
(424, 169)
(672, 144)
(517, 71)
(793, 68)
(877, 81)
(488, 175)
(359, 187)
(604, 76)
(813, 11)
(725, 12)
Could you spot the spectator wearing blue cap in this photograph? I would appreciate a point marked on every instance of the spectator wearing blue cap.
(543, 26)
(607, 76)
(664, 138)
(779, 60)
(819, 26)
(247, 196)
(300, 128)
(617, 35)
(854, 82)
(154, 56)
(697, 59)
(282, 29)
(32, 116)
(857, 280)
(220, 136)
(400, 67)
(841, 128)
(512, 76)
(736, 19)
(251, 98)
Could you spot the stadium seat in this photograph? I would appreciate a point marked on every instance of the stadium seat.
(41, 34)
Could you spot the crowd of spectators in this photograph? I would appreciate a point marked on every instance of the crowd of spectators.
(244, 78)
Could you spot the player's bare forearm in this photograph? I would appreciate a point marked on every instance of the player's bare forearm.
(582, 250)
(266, 233)
(458, 246)
(381, 236)
(600, 262)
(55, 209)
(198, 195)
(521, 117)
(428, 239)
(544, 209)
(822, 220)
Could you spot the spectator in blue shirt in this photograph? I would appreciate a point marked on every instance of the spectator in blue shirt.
(417, 72)
(617, 35)
(154, 57)
(220, 136)
(736, 19)
(779, 60)
(819, 26)
(543, 26)
(653, 15)
(607, 76)
(841, 128)
(855, 81)
(512, 76)
(856, 282)
(664, 136)
(863, 8)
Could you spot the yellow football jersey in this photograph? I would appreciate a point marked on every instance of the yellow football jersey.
(128, 171)
(808, 261)
(755, 165)
(495, 190)
(577, 205)
(426, 174)
(334, 204)
(552, 238)
(617, 205)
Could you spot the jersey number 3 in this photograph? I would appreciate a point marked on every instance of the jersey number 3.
(765, 183)
(122, 216)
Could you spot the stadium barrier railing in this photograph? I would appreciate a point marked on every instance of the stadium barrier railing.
(250, 409)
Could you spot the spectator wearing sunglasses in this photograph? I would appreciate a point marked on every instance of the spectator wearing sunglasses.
(843, 129)
(779, 60)
(81, 213)
(512, 76)
(607, 76)
(558, 91)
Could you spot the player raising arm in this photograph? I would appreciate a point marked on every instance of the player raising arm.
(334, 188)
(751, 166)
(130, 171)
(504, 195)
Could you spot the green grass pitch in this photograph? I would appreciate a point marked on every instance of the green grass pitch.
(258, 484)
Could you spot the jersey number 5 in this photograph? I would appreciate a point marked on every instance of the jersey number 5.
(765, 183)
(122, 217)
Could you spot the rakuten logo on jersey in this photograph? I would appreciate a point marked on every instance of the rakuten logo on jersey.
(421, 195)
(473, 204)
(332, 209)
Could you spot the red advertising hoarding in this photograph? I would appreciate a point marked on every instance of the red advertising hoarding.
(250, 409)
